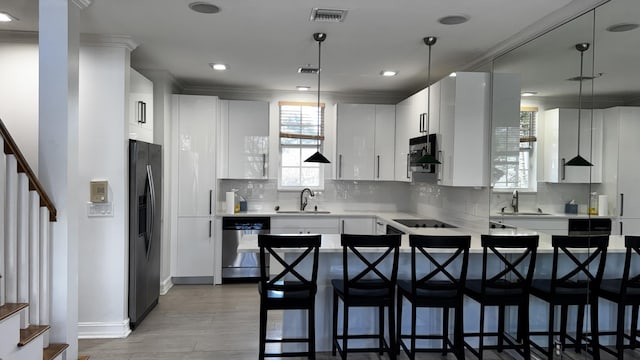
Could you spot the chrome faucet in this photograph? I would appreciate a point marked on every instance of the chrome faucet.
(514, 201)
(303, 199)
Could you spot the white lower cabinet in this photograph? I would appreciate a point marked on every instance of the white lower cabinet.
(195, 247)
(305, 225)
(357, 225)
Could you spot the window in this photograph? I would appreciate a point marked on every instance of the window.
(515, 153)
(299, 139)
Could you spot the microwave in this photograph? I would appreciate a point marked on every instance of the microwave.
(418, 147)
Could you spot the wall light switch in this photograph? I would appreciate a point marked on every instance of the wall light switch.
(99, 191)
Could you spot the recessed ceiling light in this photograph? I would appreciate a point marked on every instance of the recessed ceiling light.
(388, 73)
(204, 7)
(6, 17)
(529, 93)
(303, 88)
(453, 74)
(453, 20)
(219, 66)
(622, 27)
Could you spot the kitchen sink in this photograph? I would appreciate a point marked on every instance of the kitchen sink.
(302, 212)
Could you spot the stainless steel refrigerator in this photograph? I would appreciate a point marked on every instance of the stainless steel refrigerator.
(145, 191)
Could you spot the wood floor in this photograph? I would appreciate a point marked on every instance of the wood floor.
(221, 322)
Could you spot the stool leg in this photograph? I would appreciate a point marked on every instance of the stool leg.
(413, 331)
(500, 327)
(335, 324)
(523, 326)
(620, 331)
(399, 323)
(263, 330)
(595, 333)
(481, 338)
(551, 327)
(634, 325)
(579, 326)
(312, 332)
(445, 329)
(380, 330)
(564, 314)
(458, 337)
(345, 330)
(392, 330)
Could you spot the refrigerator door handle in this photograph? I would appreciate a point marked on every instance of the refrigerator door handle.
(152, 193)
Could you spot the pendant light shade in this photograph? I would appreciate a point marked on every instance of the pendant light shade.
(318, 157)
(579, 160)
(427, 158)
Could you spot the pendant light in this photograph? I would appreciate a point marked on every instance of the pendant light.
(317, 157)
(428, 158)
(579, 160)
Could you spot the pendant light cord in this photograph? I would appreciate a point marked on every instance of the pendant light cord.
(319, 111)
(580, 99)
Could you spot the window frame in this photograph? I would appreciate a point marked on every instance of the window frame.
(320, 138)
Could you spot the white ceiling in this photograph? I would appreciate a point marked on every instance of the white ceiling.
(264, 42)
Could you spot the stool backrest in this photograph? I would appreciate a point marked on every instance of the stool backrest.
(439, 270)
(516, 256)
(631, 278)
(573, 268)
(293, 277)
(373, 264)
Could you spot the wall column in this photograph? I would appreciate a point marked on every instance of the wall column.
(58, 156)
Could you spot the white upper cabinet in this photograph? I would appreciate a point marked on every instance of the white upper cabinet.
(365, 142)
(385, 142)
(463, 139)
(140, 107)
(408, 126)
(620, 174)
(561, 145)
(194, 117)
(244, 139)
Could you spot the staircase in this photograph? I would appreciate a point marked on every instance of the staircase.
(26, 213)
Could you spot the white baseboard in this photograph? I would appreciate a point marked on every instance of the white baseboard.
(165, 286)
(104, 330)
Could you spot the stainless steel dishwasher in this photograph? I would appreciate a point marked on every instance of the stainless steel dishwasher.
(245, 266)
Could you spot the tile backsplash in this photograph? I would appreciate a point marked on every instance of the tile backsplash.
(263, 195)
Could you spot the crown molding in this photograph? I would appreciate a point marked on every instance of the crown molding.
(124, 41)
(82, 4)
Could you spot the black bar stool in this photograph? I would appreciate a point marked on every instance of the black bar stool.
(508, 263)
(442, 287)
(370, 268)
(573, 282)
(625, 292)
(292, 289)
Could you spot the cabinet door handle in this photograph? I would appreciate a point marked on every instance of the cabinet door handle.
(621, 229)
(264, 165)
(421, 127)
(210, 200)
(408, 161)
(340, 166)
(621, 207)
(440, 158)
(378, 166)
(209, 228)
(564, 169)
(144, 112)
(342, 231)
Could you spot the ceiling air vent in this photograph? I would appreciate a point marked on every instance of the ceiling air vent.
(328, 15)
(584, 77)
(308, 70)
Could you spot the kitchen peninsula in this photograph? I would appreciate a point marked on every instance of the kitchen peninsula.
(364, 320)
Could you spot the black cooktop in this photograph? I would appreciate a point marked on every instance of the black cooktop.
(423, 223)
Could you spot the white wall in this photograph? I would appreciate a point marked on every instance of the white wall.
(103, 252)
(19, 95)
